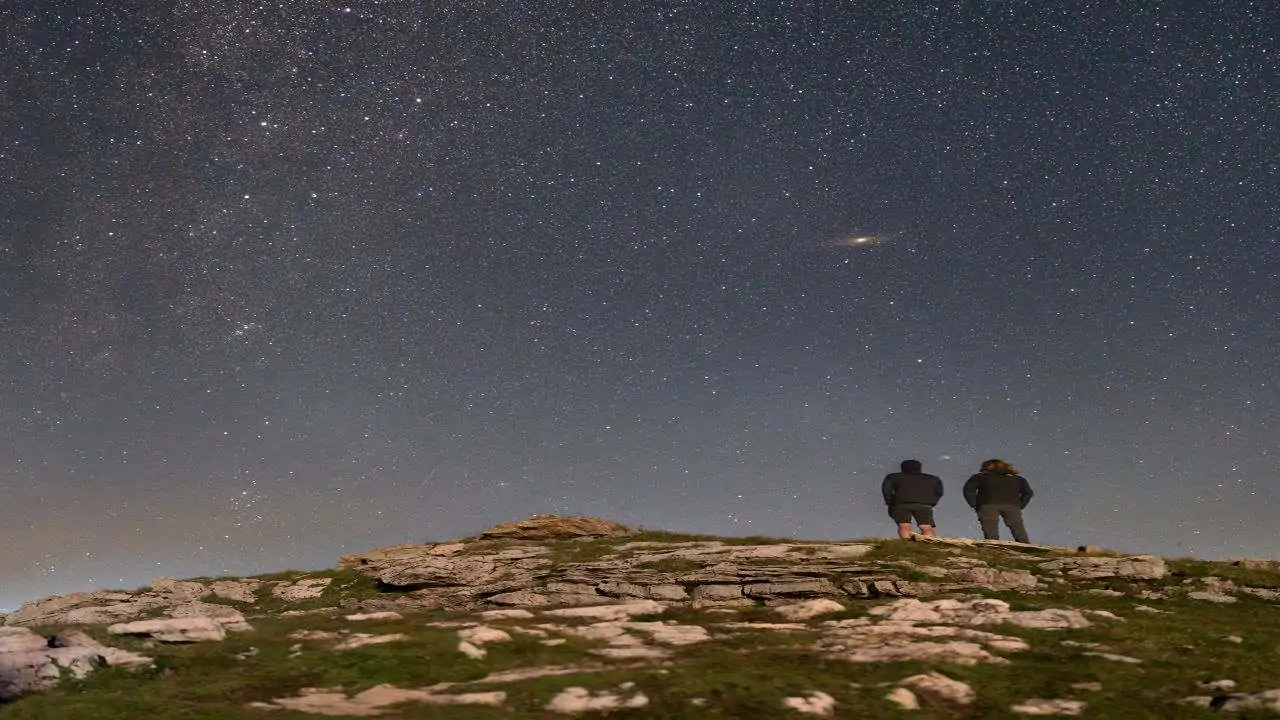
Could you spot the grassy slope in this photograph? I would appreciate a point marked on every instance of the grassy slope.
(742, 676)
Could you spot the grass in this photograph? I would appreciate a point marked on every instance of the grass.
(1248, 577)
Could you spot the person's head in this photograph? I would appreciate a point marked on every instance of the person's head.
(999, 467)
(911, 466)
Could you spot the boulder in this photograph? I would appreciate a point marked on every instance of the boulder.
(175, 630)
(228, 617)
(808, 609)
(31, 663)
(556, 527)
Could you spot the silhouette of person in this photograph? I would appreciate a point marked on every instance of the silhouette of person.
(998, 492)
(910, 494)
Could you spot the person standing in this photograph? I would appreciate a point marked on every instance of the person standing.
(909, 494)
(998, 492)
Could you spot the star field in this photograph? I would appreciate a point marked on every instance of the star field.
(291, 279)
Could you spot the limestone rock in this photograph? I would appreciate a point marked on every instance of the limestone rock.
(903, 698)
(374, 701)
(808, 609)
(994, 579)
(574, 700)
(93, 607)
(815, 703)
(1218, 685)
(1138, 567)
(940, 687)
(512, 614)
(384, 615)
(670, 633)
(30, 663)
(441, 566)
(356, 640)
(176, 630)
(1087, 686)
(472, 650)
(791, 589)
(244, 591)
(299, 590)
(19, 639)
(1041, 706)
(610, 612)
(178, 590)
(556, 527)
(482, 635)
(228, 617)
(1114, 657)
(978, 612)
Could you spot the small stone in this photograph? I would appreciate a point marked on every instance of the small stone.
(1040, 706)
(1115, 658)
(941, 687)
(1218, 685)
(506, 614)
(903, 698)
(808, 609)
(1089, 686)
(387, 615)
(815, 703)
(482, 635)
(471, 651)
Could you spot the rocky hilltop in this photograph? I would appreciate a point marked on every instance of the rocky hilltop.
(554, 616)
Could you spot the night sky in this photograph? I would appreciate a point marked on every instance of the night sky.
(285, 280)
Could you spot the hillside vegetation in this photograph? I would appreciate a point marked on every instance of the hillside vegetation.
(644, 625)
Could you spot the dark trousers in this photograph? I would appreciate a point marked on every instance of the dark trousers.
(990, 515)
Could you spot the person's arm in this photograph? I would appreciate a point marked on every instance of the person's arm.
(971, 492)
(937, 489)
(889, 488)
(1024, 492)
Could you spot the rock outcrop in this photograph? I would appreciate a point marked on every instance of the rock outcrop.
(699, 574)
(556, 527)
(625, 601)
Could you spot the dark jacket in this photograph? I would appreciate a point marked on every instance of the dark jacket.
(911, 488)
(997, 489)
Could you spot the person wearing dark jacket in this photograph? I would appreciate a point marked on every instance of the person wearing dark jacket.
(912, 494)
(999, 492)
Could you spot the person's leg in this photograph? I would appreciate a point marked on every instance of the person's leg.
(902, 516)
(990, 520)
(924, 518)
(1013, 518)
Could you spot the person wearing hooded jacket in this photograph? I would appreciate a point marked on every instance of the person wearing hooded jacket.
(912, 494)
(998, 492)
